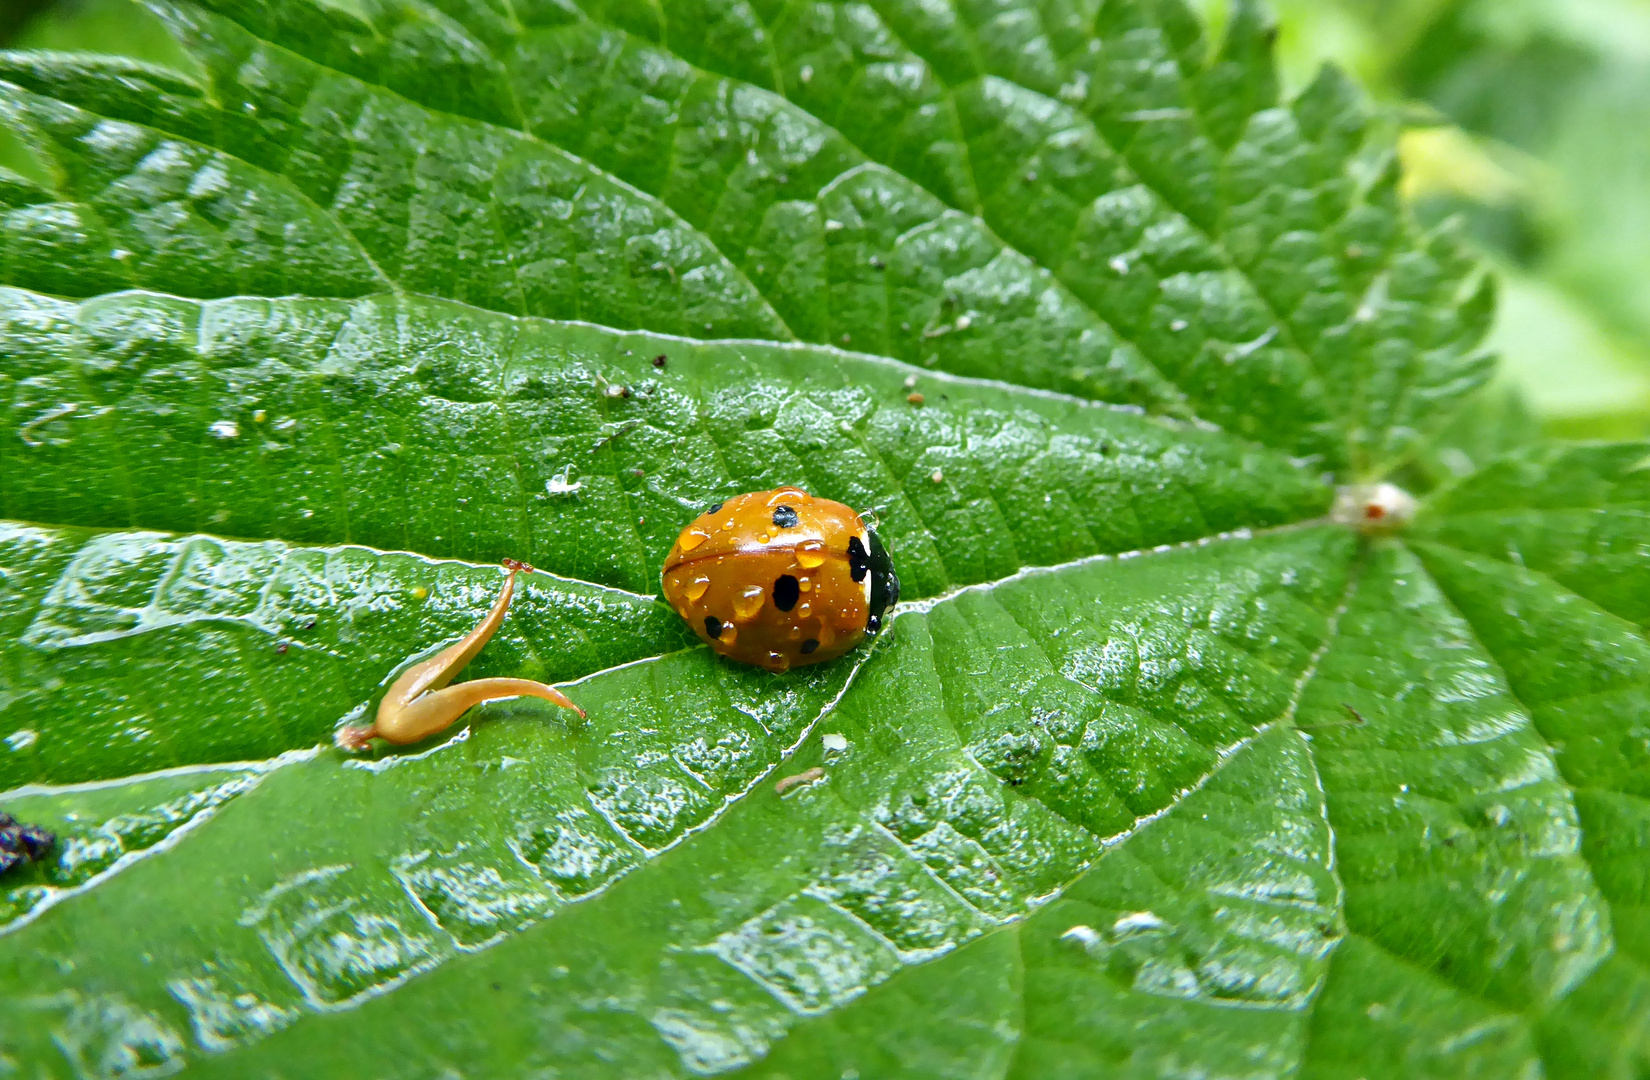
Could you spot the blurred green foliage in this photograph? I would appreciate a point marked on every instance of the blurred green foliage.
(1529, 119)
(122, 27)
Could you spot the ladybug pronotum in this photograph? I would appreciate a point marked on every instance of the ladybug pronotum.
(780, 579)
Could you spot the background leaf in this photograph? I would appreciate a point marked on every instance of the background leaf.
(1160, 769)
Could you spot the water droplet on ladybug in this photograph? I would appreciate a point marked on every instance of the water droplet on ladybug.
(805, 609)
(749, 602)
(692, 539)
(730, 634)
(763, 538)
(696, 588)
(806, 584)
(811, 553)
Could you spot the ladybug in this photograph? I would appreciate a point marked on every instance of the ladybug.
(780, 579)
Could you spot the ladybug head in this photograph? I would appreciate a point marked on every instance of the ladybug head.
(884, 581)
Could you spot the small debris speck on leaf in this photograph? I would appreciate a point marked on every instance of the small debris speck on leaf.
(914, 398)
(799, 779)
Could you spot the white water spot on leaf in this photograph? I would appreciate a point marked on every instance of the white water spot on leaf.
(559, 484)
(222, 1020)
(577, 851)
(22, 739)
(1136, 921)
(809, 954)
(654, 804)
(337, 940)
(473, 902)
(107, 1037)
(225, 429)
(1081, 936)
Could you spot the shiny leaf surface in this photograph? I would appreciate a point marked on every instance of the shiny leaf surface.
(1160, 768)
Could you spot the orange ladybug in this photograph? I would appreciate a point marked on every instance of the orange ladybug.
(779, 578)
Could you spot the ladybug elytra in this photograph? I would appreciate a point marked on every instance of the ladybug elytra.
(780, 579)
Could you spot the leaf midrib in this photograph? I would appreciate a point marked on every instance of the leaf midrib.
(498, 397)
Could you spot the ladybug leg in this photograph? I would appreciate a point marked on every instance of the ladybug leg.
(420, 703)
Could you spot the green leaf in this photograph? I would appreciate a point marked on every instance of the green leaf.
(1160, 769)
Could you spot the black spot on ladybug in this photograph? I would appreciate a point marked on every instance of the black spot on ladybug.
(785, 516)
(713, 626)
(858, 563)
(713, 509)
(809, 646)
(786, 590)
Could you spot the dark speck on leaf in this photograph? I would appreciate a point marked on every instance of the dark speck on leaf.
(310, 625)
(19, 843)
(37, 841)
(660, 360)
(281, 648)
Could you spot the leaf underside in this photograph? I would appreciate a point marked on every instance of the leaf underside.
(1158, 771)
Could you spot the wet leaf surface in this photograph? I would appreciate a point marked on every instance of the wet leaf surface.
(1158, 770)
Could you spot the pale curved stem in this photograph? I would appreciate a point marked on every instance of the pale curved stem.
(436, 710)
(420, 703)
